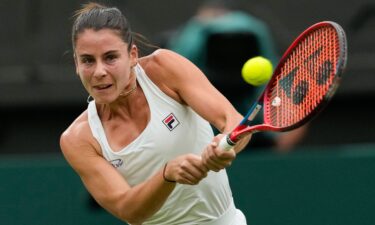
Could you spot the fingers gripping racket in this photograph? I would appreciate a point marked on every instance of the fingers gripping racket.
(304, 81)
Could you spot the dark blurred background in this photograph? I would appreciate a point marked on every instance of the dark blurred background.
(40, 95)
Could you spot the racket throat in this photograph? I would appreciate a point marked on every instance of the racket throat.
(248, 119)
(236, 135)
(255, 112)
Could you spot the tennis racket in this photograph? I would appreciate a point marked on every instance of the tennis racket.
(304, 81)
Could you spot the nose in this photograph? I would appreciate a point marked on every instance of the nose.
(100, 70)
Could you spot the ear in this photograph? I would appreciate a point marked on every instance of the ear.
(133, 55)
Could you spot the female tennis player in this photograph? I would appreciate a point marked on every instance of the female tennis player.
(144, 147)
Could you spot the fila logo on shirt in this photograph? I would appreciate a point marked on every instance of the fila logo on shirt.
(171, 122)
(116, 163)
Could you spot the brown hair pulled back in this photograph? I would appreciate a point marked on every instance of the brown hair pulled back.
(97, 16)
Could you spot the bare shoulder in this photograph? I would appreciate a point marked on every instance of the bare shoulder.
(170, 71)
(157, 63)
(166, 62)
(77, 139)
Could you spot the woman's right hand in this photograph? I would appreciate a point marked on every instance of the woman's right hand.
(186, 169)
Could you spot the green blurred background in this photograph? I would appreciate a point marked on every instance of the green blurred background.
(325, 186)
(328, 179)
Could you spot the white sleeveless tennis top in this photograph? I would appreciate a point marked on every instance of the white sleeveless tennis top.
(173, 130)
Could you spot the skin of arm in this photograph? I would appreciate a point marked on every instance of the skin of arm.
(105, 184)
(183, 81)
(132, 204)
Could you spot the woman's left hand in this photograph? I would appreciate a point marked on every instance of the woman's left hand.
(216, 159)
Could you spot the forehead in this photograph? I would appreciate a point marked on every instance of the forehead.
(104, 39)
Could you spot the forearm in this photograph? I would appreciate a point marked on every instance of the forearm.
(148, 198)
(135, 204)
(140, 202)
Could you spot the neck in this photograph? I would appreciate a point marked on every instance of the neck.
(129, 92)
(126, 93)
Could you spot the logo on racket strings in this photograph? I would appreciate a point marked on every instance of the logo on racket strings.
(171, 122)
(297, 92)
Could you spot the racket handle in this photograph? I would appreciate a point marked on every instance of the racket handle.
(225, 143)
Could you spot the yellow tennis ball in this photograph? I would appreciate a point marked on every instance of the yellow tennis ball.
(257, 70)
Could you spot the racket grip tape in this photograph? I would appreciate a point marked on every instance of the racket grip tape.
(226, 143)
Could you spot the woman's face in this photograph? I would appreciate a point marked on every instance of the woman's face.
(104, 63)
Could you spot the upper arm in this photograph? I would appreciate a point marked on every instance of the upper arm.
(103, 182)
(192, 87)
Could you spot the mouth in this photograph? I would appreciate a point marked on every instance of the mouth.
(102, 87)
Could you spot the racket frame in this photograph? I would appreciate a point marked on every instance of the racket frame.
(245, 125)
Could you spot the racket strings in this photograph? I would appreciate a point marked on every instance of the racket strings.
(305, 78)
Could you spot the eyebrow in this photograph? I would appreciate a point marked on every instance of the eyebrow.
(85, 55)
(111, 52)
(106, 53)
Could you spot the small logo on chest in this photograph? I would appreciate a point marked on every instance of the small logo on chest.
(171, 122)
(116, 163)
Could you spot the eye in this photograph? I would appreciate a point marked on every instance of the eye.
(111, 58)
(87, 60)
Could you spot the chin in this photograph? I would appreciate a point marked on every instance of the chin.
(105, 100)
